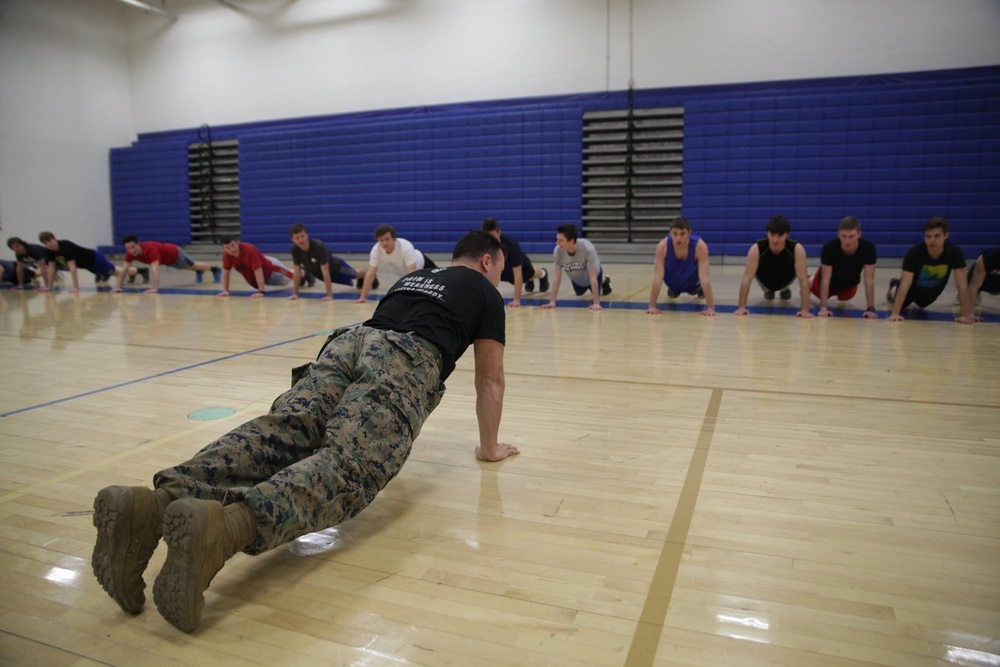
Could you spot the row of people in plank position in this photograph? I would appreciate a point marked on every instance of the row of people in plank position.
(778, 261)
(310, 257)
(681, 263)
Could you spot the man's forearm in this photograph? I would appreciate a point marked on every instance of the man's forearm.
(902, 290)
(327, 280)
(965, 299)
(489, 409)
(121, 276)
(744, 293)
(654, 289)
(369, 280)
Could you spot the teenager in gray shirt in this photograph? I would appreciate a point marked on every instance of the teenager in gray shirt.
(578, 258)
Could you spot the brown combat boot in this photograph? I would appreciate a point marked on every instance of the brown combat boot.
(201, 536)
(128, 520)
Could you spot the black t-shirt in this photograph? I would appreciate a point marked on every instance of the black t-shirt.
(451, 307)
(776, 271)
(69, 251)
(316, 257)
(512, 257)
(34, 253)
(847, 268)
(991, 262)
(929, 274)
(991, 259)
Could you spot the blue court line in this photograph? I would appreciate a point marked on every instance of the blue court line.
(756, 310)
(163, 374)
(188, 291)
(922, 316)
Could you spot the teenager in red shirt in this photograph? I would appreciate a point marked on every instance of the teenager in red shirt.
(156, 254)
(259, 270)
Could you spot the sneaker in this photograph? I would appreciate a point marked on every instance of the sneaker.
(198, 276)
(701, 293)
(672, 294)
(786, 294)
(131, 278)
(889, 295)
(529, 286)
(310, 279)
(216, 274)
(145, 275)
(128, 520)
(375, 284)
(543, 283)
(359, 282)
(606, 286)
(769, 294)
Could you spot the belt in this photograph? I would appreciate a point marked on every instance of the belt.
(431, 347)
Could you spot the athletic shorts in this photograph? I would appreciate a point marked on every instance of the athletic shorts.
(921, 296)
(583, 289)
(688, 288)
(768, 288)
(842, 295)
(101, 266)
(184, 260)
(341, 272)
(281, 275)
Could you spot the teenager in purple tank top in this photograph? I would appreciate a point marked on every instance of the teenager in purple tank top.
(682, 265)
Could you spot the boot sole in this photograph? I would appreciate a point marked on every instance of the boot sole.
(112, 518)
(177, 591)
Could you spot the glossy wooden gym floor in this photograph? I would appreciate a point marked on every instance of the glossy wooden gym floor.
(691, 491)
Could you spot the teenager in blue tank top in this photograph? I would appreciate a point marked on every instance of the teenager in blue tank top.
(681, 264)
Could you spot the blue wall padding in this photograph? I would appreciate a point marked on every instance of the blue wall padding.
(892, 156)
(149, 191)
(892, 151)
(433, 178)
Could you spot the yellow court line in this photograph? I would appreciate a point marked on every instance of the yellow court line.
(661, 588)
(631, 296)
(111, 459)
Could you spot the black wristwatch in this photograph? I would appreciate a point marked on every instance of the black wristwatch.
(870, 309)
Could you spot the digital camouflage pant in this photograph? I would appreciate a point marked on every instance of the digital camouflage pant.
(328, 445)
